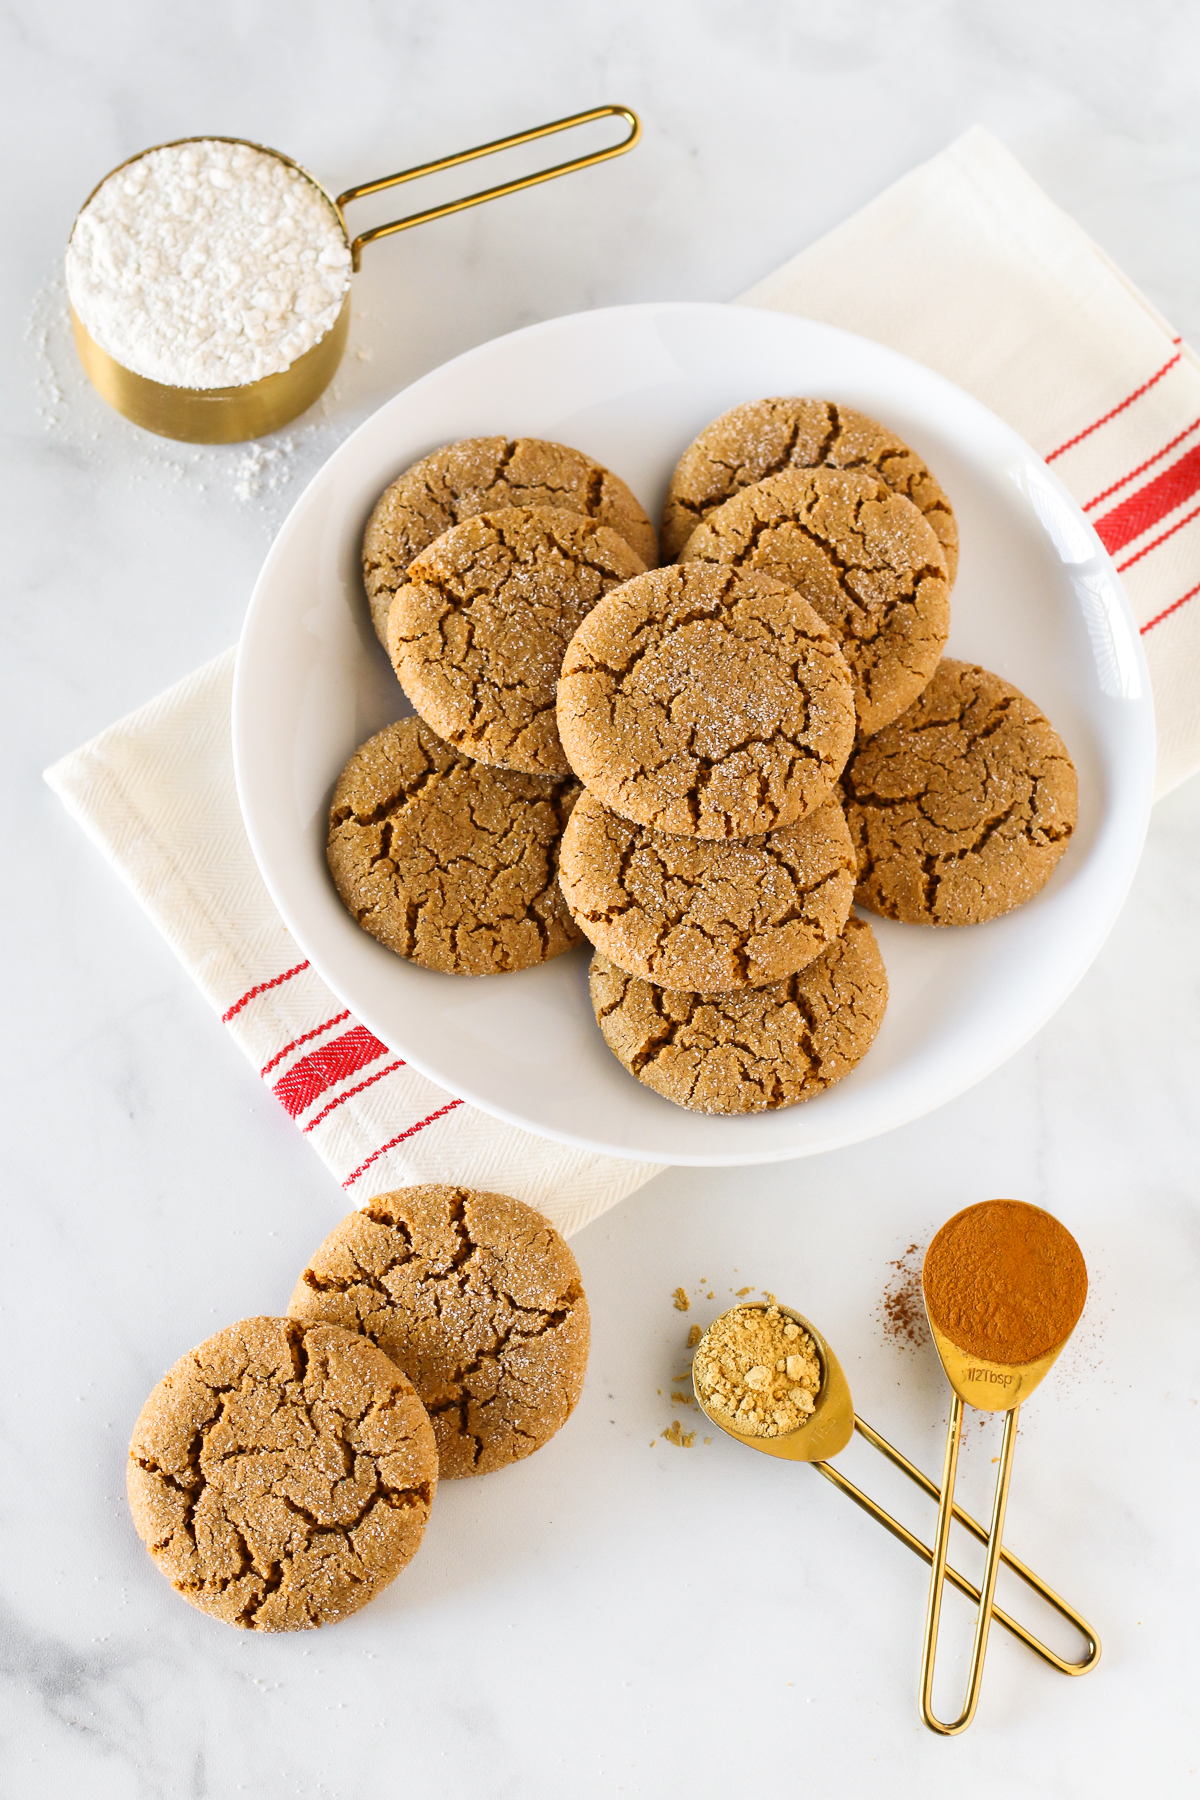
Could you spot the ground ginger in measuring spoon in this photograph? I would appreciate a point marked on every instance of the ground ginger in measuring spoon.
(207, 265)
(760, 1369)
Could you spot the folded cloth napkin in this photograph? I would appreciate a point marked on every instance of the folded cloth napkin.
(965, 265)
(156, 792)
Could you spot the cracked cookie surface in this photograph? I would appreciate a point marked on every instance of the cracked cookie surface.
(864, 559)
(281, 1474)
(711, 916)
(751, 1051)
(477, 1298)
(706, 701)
(447, 862)
(480, 475)
(960, 810)
(477, 632)
(765, 437)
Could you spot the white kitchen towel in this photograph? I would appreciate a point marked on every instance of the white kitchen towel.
(156, 792)
(965, 265)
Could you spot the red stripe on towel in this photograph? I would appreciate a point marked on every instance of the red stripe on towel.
(1168, 610)
(1161, 539)
(306, 1039)
(310, 1077)
(262, 988)
(1136, 395)
(1143, 466)
(399, 1139)
(350, 1093)
(1151, 503)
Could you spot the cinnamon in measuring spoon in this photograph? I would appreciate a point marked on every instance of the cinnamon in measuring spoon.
(1005, 1281)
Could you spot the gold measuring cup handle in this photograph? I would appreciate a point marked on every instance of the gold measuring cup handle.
(492, 193)
(914, 1543)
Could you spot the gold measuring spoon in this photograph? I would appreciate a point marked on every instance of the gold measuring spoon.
(232, 414)
(829, 1428)
(971, 1296)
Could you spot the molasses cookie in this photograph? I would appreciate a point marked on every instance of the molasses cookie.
(765, 437)
(477, 631)
(706, 701)
(281, 1474)
(686, 912)
(447, 862)
(864, 559)
(477, 1298)
(959, 810)
(480, 475)
(754, 1050)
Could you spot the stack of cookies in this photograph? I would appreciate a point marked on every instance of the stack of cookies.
(765, 731)
(282, 1473)
(479, 561)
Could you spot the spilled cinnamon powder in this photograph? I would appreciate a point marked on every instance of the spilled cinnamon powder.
(901, 1310)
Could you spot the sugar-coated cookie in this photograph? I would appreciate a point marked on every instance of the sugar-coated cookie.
(281, 1474)
(482, 475)
(862, 556)
(477, 631)
(960, 810)
(447, 862)
(765, 437)
(477, 1298)
(706, 701)
(689, 912)
(753, 1050)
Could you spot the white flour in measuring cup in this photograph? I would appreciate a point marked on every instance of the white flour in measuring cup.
(207, 265)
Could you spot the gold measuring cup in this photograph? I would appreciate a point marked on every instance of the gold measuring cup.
(232, 414)
(990, 1387)
(829, 1428)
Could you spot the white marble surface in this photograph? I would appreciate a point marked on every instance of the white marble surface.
(609, 1617)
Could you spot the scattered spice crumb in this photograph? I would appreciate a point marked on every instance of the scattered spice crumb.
(675, 1434)
(710, 1296)
(686, 1376)
(901, 1311)
(770, 1298)
(709, 1441)
(682, 1303)
(742, 1292)
(694, 1336)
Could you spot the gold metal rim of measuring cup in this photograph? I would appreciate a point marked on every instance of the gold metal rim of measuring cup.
(834, 1409)
(234, 414)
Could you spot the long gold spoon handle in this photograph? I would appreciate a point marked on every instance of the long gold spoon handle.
(991, 1568)
(918, 1548)
(1026, 1574)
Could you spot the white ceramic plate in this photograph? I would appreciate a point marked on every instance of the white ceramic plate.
(1036, 600)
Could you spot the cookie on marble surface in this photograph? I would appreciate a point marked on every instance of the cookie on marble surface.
(706, 701)
(281, 1474)
(477, 1298)
(480, 475)
(477, 631)
(447, 862)
(864, 559)
(765, 437)
(961, 809)
(754, 1050)
(688, 912)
